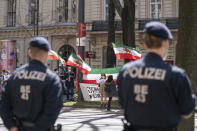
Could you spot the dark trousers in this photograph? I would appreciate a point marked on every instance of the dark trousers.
(109, 103)
(28, 129)
(70, 93)
(133, 129)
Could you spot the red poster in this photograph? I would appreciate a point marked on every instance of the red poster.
(81, 31)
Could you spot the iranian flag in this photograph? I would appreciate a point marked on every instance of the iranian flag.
(126, 52)
(77, 62)
(95, 74)
(54, 56)
(79, 55)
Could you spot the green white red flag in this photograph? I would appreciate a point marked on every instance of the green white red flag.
(77, 62)
(54, 56)
(79, 55)
(95, 74)
(126, 52)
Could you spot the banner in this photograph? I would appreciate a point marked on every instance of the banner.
(95, 74)
(7, 55)
(89, 86)
(90, 92)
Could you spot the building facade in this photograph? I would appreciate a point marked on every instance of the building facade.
(57, 22)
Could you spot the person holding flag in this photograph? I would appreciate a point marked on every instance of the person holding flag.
(70, 76)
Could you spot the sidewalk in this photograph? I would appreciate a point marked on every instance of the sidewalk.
(90, 119)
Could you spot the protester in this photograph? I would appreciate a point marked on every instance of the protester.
(57, 72)
(70, 76)
(6, 75)
(110, 89)
(1, 79)
(64, 89)
(101, 83)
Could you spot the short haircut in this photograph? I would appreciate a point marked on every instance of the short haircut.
(37, 52)
(152, 41)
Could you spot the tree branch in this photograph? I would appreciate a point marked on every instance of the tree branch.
(118, 7)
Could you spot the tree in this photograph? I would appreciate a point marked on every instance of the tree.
(186, 54)
(127, 15)
(111, 34)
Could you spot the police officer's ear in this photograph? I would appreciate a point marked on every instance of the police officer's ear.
(29, 53)
(145, 46)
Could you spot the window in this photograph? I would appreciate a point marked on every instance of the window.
(155, 9)
(63, 11)
(73, 6)
(65, 51)
(106, 5)
(11, 13)
(109, 59)
(32, 12)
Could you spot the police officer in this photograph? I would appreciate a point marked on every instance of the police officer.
(153, 94)
(32, 96)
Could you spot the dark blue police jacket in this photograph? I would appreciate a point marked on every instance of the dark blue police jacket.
(33, 93)
(154, 94)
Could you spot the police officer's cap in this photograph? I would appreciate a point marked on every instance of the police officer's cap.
(158, 29)
(41, 43)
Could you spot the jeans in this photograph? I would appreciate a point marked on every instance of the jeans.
(70, 93)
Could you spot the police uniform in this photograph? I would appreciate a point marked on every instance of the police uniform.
(153, 94)
(32, 96)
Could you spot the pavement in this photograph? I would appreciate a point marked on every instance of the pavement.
(90, 119)
(87, 119)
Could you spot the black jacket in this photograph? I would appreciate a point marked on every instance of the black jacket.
(154, 94)
(33, 93)
(112, 88)
(71, 76)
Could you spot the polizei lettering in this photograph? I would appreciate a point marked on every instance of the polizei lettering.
(33, 75)
(146, 73)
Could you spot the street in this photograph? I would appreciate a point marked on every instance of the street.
(87, 119)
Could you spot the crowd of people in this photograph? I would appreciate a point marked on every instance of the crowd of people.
(67, 81)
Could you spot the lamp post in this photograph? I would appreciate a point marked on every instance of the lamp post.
(81, 48)
(37, 18)
(35, 6)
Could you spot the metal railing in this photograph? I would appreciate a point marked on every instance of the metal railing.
(103, 25)
(171, 23)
